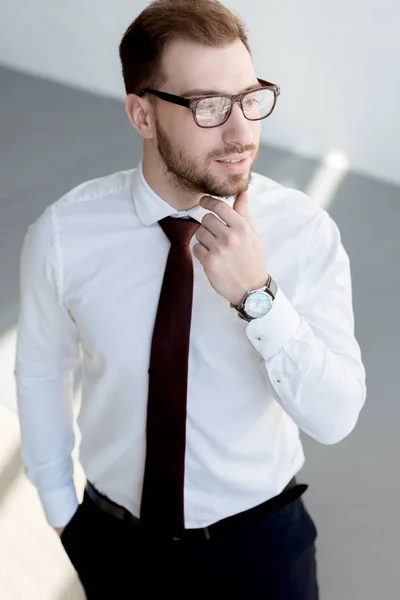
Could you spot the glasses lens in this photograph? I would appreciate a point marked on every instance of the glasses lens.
(212, 111)
(258, 104)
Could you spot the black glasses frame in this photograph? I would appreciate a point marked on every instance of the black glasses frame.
(193, 102)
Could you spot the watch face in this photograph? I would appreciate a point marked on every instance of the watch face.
(258, 304)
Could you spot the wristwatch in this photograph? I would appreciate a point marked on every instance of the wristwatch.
(257, 303)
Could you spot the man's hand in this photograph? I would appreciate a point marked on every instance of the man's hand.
(59, 530)
(230, 252)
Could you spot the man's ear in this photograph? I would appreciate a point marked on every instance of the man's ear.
(140, 114)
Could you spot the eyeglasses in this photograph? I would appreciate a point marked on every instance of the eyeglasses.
(213, 111)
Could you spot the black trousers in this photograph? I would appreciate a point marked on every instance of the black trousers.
(269, 558)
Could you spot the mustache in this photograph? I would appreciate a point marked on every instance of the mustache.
(230, 150)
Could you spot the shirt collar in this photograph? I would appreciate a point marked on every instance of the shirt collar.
(151, 208)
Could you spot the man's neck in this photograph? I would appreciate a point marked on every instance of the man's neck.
(163, 185)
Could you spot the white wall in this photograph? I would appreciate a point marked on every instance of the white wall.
(337, 64)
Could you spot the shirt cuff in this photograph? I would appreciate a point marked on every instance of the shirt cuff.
(271, 333)
(59, 505)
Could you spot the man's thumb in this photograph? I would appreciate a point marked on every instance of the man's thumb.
(241, 205)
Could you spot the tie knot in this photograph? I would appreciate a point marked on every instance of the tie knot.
(179, 231)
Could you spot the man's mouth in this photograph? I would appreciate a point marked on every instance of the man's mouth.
(234, 163)
(234, 159)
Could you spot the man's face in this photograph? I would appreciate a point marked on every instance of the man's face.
(193, 155)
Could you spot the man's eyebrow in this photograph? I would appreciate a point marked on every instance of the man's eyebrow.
(200, 92)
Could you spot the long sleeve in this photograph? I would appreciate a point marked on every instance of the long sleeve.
(47, 353)
(311, 355)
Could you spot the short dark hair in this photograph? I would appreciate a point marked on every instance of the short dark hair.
(141, 49)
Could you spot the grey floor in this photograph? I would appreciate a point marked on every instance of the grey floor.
(53, 137)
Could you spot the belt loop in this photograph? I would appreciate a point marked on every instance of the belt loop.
(207, 533)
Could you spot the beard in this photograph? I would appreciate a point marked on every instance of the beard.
(195, 178)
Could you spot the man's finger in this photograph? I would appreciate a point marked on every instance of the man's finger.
(223, 210)
(241, 206)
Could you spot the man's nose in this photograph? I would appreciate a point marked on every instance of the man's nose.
(238, 129)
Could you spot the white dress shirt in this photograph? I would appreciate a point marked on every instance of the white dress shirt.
(91, 272)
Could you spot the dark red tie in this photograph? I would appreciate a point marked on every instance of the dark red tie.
(162, 505)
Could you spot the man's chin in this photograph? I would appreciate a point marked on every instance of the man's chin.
(233, 185)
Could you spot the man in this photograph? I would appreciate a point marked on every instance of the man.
(213, 310)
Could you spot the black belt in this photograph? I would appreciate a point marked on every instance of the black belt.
(292, 492)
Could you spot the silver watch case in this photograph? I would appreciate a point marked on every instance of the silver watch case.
(257, 303)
